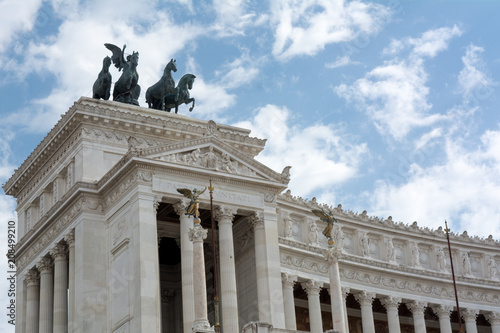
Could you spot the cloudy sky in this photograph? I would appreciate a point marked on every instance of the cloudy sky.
(385, 106)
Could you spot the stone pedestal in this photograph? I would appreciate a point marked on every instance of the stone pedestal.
(197, 234)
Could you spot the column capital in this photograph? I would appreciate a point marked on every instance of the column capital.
(31, 277)
(332, 255)
(312, 287)
(197, 234)
(416, 307)
(345, 291)
(45, 265)
(469, 314)
(180, 206)
(224, 214)
(257, 220)
(442, 311)
(58, 252)
(390, 302)
(70, 238)
(493, 317)
(157, 201)
(288, 280)
(364, 297)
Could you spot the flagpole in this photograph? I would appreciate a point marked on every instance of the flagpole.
(216, 295)
(453, 275)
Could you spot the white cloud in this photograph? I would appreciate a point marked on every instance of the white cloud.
(17, 17)
(472, 77)
(305, 27)
(341, 62)
(395, 94)
(429, 44)
(320, 157)
(232, 17)
(464, 190)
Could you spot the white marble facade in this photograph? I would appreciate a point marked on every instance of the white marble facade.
(90, 230)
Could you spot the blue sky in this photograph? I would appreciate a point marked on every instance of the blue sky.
(384, 106)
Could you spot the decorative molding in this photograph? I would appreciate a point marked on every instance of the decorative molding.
(288, 280)
(256, 220)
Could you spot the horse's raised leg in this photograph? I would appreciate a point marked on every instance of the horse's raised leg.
(192, 107)
(176, 107)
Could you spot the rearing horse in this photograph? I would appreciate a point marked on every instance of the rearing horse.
(181, 94)
(155, 95)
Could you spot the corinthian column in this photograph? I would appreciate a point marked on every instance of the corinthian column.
(60, 289)
(197, 234)
(46, 294)
(443, 313)
(494, 319)
(229, 298)
(186, 266)
(32, 301)
(336, 296)
(365, 299)
(391, 304)
(470, 316)
(417, 309)
(288, 281)
(313, 288)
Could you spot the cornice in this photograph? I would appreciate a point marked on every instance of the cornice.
(129, 118)
(287, 200)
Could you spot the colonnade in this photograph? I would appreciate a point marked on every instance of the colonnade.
(47, 308)
(365, 300)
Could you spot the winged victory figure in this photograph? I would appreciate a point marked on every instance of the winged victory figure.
(329, 219)
(192, 209)
(126, 88)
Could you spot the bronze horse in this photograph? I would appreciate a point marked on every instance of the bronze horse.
(181, 94)
(155, 95)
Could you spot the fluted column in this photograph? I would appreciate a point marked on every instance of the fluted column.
(443, 312)
(60, 289)
(470, 316)
(337, 303)
(345, 292)
(186, 266)
(417, 309)
(70, 240)
(288, 281)
(46, 294)
(229, 297)
(494, 319)
(313, 288)
(197, 234)
(33, 301)
(391, 305)
(365, 300)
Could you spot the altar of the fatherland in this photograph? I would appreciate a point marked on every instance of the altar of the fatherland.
(105, 246)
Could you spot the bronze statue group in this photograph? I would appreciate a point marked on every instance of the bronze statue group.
(163, 95)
